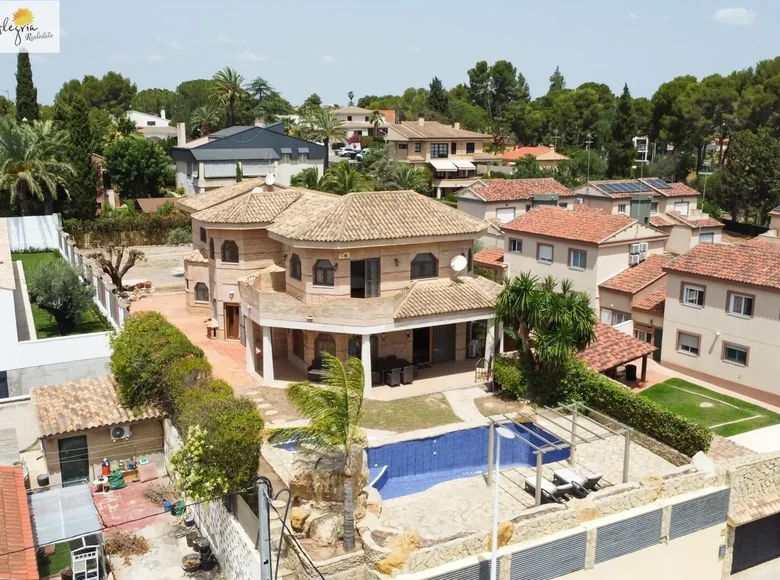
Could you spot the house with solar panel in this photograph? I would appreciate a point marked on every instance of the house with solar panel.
(210, 162)
(669, 207)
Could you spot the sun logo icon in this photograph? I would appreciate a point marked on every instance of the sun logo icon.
(23, 16)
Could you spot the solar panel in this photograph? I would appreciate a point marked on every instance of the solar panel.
(657, 183)
(608, 187)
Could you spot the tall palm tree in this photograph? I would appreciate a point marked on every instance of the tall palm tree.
(324, 127)
(228, 90)
(376, 119)
(334, 410)
(29, 163)
(351, 97)
(406, 176)
(345, 178)
(205, 119)
(308, 178)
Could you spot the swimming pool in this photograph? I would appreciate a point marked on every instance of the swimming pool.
(407, 467)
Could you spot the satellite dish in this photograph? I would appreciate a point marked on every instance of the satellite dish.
(270, 179)
(459, 263)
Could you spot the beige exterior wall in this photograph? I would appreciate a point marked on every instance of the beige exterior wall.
(667, 203)
(774, 222)
(682, 238)
(146, 441)
(195, 273)
(606, 204)
(614, 301)
(488, 210)
(716, 327)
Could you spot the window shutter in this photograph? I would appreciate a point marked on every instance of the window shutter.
(479, 571)
(550, 560)
(628, 536)
(698, 514)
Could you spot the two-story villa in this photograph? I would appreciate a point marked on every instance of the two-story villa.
(449, 151)
(297, 273)
(722, 318)
(357, 120)
(587, 246)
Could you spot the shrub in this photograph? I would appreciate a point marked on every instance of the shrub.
(194, 405)
(186, 374)
(55, 286)
(507, 373)
(142, 358)
(179, 236)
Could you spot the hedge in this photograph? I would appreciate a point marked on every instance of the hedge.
(507, 373)
(123, 222)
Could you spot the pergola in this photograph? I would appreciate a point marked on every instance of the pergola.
(612, 348)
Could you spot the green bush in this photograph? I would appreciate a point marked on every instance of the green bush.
(179, 236)
(193, 405)
(143, 357)
(507, 373)
(186, 374)
(55, 286)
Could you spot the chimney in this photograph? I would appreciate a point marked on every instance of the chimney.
(181, 134)
(456, 125)
(162, 114)
(259, 122)
(421, 121)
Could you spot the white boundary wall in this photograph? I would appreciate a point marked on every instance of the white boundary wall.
(37, 232)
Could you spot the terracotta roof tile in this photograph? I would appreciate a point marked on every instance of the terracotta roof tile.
(654, 303)
(429, 297)
(696, 221)
(80, 405)
(515, 189)
(634, 278)
(678, 190)
(657, 220)
(583, 224)
(746, 264)
(193, 203)
(489, 257)
(249, 208)
(434, 129)
(520, 152)
(151, 204)
(612, 348)
(761, 243)
(197, 256)
(16, 527)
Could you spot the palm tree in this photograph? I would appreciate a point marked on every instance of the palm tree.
(205, 119)
(308, 178)
(334, 410)
(376, 119)
(350, 96)
(227, 91)
(344, 178)
(406, 176)
(324, 127)
(29, 163)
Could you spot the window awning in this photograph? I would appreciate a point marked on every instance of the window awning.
(463, 164)
(63, 513)
(443, 165)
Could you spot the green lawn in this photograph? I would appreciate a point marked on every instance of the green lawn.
(686, 399)
(51, 565)
(45, 327)
(408, 414)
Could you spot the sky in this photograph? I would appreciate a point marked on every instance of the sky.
(371, 47)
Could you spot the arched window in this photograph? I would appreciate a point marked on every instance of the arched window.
(297, 340)
(324, 273)
(295, 267)
(201, 292)
(324, 343)
(230, 252)
(424, 266)
(211, 248)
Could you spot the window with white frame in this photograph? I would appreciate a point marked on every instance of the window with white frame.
(606, 316)
(688, 343)
(578, 259)
(516, 246)
(544, 253)
(620, 318)
(643, 335)
(740, 304)
(564, 205)
(682, 207)
(621, 208)
(693, 295)
(505, 214)
(706, 238)
(653, 207)
(735, 354)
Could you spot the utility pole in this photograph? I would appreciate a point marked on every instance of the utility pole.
(588, 144)
(264, 491)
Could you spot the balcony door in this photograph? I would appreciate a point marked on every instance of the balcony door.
(232, 314)
(364, 278)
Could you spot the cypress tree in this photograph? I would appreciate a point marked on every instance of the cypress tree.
(438, 99)
(83, 188)
(620, 151)
(26, 93)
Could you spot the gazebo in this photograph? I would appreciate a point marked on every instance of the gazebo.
(612, 348)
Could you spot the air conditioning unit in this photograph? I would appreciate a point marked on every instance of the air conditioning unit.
(642, 256)
(643, 247)
(634, 249)
(634, 259)
(120, 432)
(580, 200)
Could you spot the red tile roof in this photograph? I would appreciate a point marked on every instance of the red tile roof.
(613, 348)
(659, 221)
(15, 528)
(150, 204)
(654, 303)
(583, 224)
(764, 244)
(521, 152)
(678, 190)
(746, 264)
(389, 116)
(700, 221)
(491, 257)
(634, 278)
(515, 189)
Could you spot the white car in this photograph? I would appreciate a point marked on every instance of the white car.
(363, 154)
(343, 151)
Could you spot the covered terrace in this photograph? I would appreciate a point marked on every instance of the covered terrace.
(612, 349)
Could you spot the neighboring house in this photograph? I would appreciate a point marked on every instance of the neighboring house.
(210, 162)
(772, 236)
(16, 562)
(586, 246)
(357, 121)
(83, 422)
(721, 317)
(671, 207)
(152, 127)
(295, 273)
(449, 152)
(151, 204)
(547, 157)
(636, 295)
(490, 264)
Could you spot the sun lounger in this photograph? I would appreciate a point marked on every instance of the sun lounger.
(550, 491)
(581, 484)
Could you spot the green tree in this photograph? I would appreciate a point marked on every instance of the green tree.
(557, 82)
(621, 153)
(551, 322)
(7, 108)
(311, 104)
(189, 96)
(152, 101)
(55, 286)
(228, 91)
(308, 178)
(479, 86)
(139, 167)
(334, 410)
(503, 86)
(323, 127)
(522, 90)
(406, 176)
(83, 187)
(350, 96)
(437, 97)
(205, 119)
(126, 126)
(528, 168)
(376, 118)
(471, 117)
(344, 178)
(239, 172)
(26, 93)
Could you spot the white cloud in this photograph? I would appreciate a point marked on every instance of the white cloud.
(328, 59)
(222, 39)
(155, 58)
(251, 56)
(735, 16)
(633, 16)
(121, 57)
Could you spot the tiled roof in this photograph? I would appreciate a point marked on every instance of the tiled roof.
(434, 129)
(430, 297)
(489, 257)
(389, 115)
(634, 278)
(351, 110)
(653, 303)
(698, 221)
(765, 244)
(613, 348)
(678, 190)
(659, 221)
(515, 189)
(15, 528)
(583, 224)
(250, 208)
(79, 405)
(193, 203)
(378, 215)
(746, 264)
(536, 151)
(196, 256)
(150, 204)
(775, 211)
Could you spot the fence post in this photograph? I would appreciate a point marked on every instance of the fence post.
(538, 490)
(491, 444)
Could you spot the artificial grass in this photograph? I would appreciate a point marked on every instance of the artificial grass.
(408, 414)
(687, 402)
(45, 327)
(59, 560)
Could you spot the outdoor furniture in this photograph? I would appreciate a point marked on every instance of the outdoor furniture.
(407, 374)
(550, 491)
(582, 485)
(376, 378)
(393, 378)
(315, 373)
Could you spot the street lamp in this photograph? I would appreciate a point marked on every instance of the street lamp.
(503, 433)
(588, 143)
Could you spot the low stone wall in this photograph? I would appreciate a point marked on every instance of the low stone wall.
(345, 567)
(759, 478)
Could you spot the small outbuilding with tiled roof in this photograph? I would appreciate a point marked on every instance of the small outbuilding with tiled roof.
(83, 422)
(490, 262)
(612, 348)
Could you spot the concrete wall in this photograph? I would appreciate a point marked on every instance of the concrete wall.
(33, 232)
(20, 381)
(19, 414)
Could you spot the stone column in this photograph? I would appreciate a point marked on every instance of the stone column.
(268, 357)
(251, 351)
(365, 357)
(490, 338)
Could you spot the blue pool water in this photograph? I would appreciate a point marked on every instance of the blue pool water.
(413, 466)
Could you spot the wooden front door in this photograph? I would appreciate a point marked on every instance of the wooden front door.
(232, 313)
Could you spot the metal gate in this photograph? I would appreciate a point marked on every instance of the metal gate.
(756, 542)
